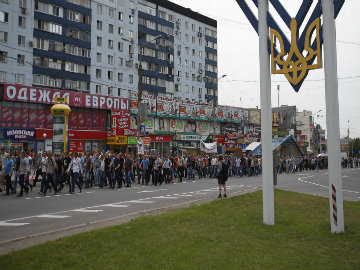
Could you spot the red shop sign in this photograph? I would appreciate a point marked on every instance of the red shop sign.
(87, 135)
(160, 138)
(42, 133)
(220, 139)
(76, 146)
(46, 96)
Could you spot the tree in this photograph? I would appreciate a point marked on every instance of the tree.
(354, 147)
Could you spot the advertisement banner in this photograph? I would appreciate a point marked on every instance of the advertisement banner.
(182, 137)
(161, 125)
(147, 99)
(203, 128)
(119, 122)
(58, 132)
(46, 96)
(16, 116)
(167, 107)
(48, 119)
(24, 117)
(76, 146)
(254, 117)
(150, 125)
(32, 118)
(176, 125)
(160, 138)
(6, 116)
(132, 140)
(190, 126)
(146, 140)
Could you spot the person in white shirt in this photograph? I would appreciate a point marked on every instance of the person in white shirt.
(214, 162)
(238, 166)
(75, 166)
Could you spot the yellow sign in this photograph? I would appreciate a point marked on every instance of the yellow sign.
(117, 140)
(60, 100)
(295, 71)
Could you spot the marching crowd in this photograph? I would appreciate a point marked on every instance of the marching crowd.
(103, 169)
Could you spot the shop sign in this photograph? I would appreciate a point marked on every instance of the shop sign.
(121, 139)
(19, 134)
(87, 134)
(220, 139)
(283, 133)
(146, 140)
(161, 138)
(46, 96)
(190, 137)
(76, 146)
(119, 122)
(176, 125)
(43, 133)
(132, 140)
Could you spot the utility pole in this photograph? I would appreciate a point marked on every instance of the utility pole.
(278, 89)
(215, 103)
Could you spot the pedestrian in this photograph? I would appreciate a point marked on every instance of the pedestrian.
(75, 167)
(22, 172)
(128, 170)
(9, 167)
(222, 176)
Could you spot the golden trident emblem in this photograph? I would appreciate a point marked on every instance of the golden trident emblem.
(295, 71)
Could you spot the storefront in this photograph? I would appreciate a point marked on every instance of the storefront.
(28, 108)
(161, 144)
(190, 144)
(18, 139)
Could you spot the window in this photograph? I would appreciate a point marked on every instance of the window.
(21, 40)
(120, 77)
(110, 75)
(84, 3)
(77, 68)
(119, 92)
(53, 28)
(120, 61)
(98, 73)
(110, 59)
(201, 54)
(193, 39)
(22, 3)
(22, 21)
(187, 75)
(131, 78)
(3, 56)
(200, 91)
(211, 33)
(187, 37)
(111, 12)
(111, 28)
(178, 34)
(193, 64)
(78, 34)
(20, 78)
(99, 25)
(77, 85)
(110, 91)
(186, 63)
(131, 19)
(98, 57)
(120, 46)
(3, 76)
(186, 88)
(193, 27)
(193, 52)
(121, 16)
(120, 31)
(99, 41)
(131, 34)
(200, 42)
(186, 25)
(99, 9)
(72, 49)
(193, 89)
(4, 17)
(78, 17)
(110, 44)
(193, 77)
(21, 59)
(3, 36)
(187, 50)
(98, 89)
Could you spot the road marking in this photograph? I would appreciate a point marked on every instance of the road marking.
(37, 197)
(186, 195)
(345, 176)
(138, 201)
(351, 191)
(51, 216)
(150, 191)
(199, 193)
(12, 224)
(165, 197)
(115, 205)
(83, 210)
(67, 194)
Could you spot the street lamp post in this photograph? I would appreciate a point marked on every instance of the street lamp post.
(214, 103)
(139, 99)
(312, 133)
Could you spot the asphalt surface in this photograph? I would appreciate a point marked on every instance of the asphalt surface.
(34, 219)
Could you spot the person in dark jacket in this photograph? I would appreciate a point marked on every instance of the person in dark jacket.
(222, 176)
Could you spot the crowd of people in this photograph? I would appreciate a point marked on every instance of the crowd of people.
(55, 172)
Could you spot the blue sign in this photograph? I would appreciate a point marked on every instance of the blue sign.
(142, 130)
(243, 147)
(19, 134)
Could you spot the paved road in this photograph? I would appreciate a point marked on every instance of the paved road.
(24, 218)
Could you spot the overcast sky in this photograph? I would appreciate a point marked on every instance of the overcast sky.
(238, 58)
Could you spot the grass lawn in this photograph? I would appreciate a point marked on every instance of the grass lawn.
(224, 234)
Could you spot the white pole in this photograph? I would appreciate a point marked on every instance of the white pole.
(332, 117)
(266, 124)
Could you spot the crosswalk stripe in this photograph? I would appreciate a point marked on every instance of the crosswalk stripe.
(138, 201)
(116, 205)
(12, 224)
(52, 216)
(87, 210)
(166, 197)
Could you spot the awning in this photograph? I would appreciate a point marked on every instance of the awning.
(252, 146)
